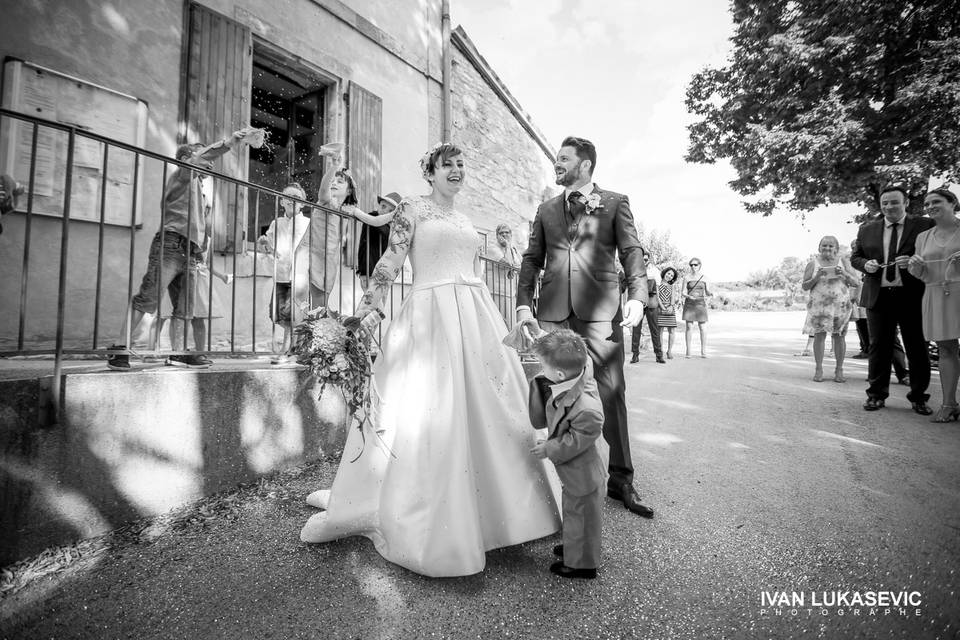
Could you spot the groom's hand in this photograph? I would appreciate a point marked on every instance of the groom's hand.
(633, 313)
(529, 326)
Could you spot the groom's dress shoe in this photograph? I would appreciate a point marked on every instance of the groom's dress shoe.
(873, 404)
(628, 496)
(558, 550)
(922, 408)
(564, 571)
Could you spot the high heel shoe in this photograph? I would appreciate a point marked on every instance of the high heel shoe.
(946, 413)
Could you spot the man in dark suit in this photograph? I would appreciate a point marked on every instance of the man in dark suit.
(892, 297)
(575, 239)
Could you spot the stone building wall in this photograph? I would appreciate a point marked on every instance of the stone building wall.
(509, 170)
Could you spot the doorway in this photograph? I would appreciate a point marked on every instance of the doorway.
(289, 104)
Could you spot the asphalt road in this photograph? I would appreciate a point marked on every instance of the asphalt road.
(764, 482)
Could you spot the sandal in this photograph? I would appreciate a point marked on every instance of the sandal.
(838, 377)
(946, 413)
(818, 376)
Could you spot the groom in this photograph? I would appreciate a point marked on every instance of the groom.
(575, 238)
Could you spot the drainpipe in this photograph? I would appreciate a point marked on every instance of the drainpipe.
(446, 119)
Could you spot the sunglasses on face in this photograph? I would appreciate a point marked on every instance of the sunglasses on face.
(694, 264)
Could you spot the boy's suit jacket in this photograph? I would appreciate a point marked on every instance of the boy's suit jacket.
(574, 425)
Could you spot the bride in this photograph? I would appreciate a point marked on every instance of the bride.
(448, 475)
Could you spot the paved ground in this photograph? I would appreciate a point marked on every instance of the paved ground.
(763, 481)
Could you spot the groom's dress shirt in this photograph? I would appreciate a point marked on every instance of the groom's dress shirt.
(585, 190)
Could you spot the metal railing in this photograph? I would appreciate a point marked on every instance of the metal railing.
(78, 329)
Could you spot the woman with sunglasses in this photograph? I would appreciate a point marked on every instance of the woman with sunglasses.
(695, 290)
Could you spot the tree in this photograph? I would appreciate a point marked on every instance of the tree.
(658, 245)
(827, 101)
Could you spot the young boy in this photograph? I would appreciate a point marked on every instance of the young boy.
(284, 238)
(564, 400)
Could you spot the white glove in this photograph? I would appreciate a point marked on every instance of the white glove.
(529, 327)
(633, 313)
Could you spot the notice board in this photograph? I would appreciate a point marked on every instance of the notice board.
(44, 93)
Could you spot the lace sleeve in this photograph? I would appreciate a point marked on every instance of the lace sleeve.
(390, 264)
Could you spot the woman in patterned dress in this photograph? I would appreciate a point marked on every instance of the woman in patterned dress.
(829, 306)
(667, 291)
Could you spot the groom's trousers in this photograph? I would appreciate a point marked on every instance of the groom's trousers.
(605, 345)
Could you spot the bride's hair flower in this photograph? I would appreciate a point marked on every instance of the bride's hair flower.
(592, 202)
(429, 160)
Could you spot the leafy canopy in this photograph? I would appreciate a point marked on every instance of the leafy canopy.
(827, 101)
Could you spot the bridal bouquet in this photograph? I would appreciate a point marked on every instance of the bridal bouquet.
(338, 352)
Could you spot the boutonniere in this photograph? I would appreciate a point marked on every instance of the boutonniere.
(591, 202)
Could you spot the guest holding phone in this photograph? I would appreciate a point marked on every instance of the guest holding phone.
(829, 305)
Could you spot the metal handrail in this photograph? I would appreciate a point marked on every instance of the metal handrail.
(501, 284)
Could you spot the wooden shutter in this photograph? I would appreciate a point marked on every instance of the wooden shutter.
(216, 103)
(364, 147)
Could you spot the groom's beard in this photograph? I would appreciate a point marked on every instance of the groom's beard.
(570, 177)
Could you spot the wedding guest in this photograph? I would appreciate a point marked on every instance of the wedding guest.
(564, 400)
(285, 238)
(185, 226)
(695, 290)
(374, 235)
(505, 251)
(936, 263)
(893, 297)
(859, 317)
(9, 190)
(669, 302)
(651, 312)
(338, 190)
(204, 307)
(502, 262)
(829, 305)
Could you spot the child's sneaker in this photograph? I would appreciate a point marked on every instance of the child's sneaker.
(190, 362)
(119, 359)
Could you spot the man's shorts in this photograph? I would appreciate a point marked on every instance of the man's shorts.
(176, 260)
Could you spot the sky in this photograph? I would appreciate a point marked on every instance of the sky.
(631, 61)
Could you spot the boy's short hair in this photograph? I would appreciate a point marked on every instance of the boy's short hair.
(562, 349)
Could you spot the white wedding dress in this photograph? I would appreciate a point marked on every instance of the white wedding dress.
(450, 475)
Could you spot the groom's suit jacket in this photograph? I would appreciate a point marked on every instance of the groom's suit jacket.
(870, 246)
(579, 262)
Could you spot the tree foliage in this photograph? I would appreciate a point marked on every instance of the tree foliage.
(826, 101)
(660, 247)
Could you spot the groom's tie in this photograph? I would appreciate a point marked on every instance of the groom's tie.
(574, 209)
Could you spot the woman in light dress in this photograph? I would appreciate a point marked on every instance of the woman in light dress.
(828, 310)
(443, 474)
(694, 291)
(936, 263)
